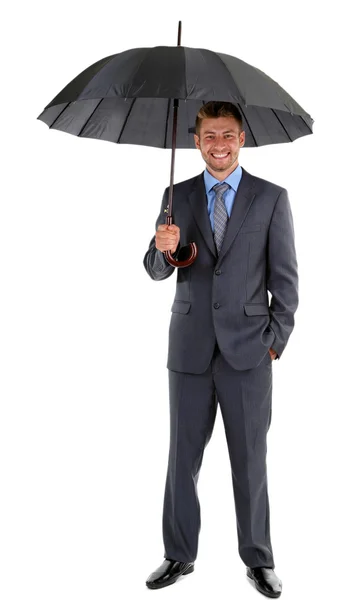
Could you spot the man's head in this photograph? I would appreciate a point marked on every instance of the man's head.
(219, 137)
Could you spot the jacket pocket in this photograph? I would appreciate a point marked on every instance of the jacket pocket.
(181, 306)
(250, 228)
(256, 309)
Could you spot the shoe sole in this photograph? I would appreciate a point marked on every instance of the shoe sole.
(156, 586)
(269, 594)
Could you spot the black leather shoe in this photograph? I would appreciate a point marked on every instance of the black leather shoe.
(265, 581)
(168, 573)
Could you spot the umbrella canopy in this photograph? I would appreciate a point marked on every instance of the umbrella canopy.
(126, 98)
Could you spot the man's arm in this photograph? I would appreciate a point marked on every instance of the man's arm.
(282, 275)
(154, 261)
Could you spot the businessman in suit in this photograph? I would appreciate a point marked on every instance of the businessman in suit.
(223, 338)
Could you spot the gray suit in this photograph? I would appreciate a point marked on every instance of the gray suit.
(220, 332)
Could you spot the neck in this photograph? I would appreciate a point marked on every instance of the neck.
(222, 175)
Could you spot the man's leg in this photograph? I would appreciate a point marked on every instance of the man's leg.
(245, 399)
(193, 406)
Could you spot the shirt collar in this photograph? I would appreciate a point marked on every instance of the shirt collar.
(233, 179)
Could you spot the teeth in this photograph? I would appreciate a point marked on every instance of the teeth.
(220, 155)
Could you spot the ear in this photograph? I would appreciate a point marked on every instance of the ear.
(197, 141)
(242, 139)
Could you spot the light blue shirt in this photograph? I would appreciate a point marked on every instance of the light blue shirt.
(229, 195)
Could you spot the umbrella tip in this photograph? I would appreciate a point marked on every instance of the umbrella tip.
(179, 32)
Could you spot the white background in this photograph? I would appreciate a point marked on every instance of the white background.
(84, 330)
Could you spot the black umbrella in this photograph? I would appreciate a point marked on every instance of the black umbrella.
(127, 98)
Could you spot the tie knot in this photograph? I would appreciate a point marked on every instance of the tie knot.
(220, 188)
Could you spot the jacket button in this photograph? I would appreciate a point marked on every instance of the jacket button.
(216, 305)
(218, 271)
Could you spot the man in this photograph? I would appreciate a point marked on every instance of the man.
(223, 338)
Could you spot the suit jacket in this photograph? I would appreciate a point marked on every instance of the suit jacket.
(224, 297)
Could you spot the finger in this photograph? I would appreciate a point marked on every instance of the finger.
(166, 247)
(167, 235)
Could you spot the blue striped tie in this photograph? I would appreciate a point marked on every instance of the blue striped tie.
(220, 215)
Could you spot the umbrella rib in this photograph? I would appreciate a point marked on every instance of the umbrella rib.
(248, 124)
(275, 114)
(227, 69)
(168, 109)
(86, 122)
(136, 71)
(125, 122)
(60, 113)
(307, 125)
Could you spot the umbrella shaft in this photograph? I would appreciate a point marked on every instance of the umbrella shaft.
(174, 139)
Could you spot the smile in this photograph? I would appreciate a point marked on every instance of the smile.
(220, 155)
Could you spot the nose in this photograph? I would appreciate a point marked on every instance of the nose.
(220, 145)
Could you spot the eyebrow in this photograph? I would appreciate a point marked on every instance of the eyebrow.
(227, 131)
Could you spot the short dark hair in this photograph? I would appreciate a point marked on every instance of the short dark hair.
(217, 109)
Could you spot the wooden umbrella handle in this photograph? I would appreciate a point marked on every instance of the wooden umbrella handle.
(182, 263)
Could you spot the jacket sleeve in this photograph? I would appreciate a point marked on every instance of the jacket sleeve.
(154, 261)
(282, 274)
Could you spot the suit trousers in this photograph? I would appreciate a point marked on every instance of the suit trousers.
(245, 400)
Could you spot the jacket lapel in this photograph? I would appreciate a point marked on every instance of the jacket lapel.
(242, 202)
(198, 203)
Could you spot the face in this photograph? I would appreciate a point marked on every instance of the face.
(219, 143)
